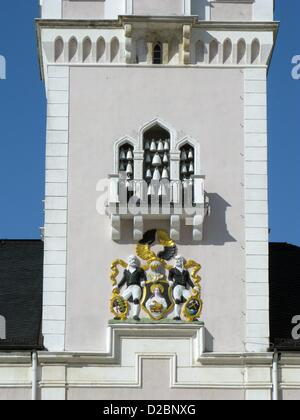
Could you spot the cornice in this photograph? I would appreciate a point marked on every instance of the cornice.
(224, 359)
(192, 20)
(15, 358)
(242, 359)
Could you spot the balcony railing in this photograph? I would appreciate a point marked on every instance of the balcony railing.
(133, 197)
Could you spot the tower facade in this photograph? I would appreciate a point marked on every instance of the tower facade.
(156, 145)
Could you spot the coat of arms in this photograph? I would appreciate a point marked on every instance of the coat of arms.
(154, 286)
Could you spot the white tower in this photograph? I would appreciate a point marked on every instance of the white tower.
(172, 89)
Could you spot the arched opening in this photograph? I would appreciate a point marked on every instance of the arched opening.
(227, 51)
(157, 53)
(255, 51)
(174, 52)
(213, 51)
(241, 51)
(126, 160)
(73, 48)
(187, 162)
(199, 52)
(141, 51)
(100, 49)
(2, 328)
(114, 50)
(87, 50)
(58, 49)
(156, 144)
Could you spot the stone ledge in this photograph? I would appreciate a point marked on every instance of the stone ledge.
(146, 321)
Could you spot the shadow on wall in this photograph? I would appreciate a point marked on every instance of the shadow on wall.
(215, 225)
(215, 231)
(209, 342)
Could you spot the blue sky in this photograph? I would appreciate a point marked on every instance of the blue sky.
(22, 135)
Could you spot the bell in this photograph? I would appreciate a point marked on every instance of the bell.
(129, 182)
(191, 154)
(148, 174)
(151, 189)
(147, 145)
(160, 146)
(162, 191)
(165, 158)
(166, 146)
(183, 170)
(153, 146)
(156, 160)
(129, 155)
(129, 169)
(156, 175)
(148, 158)
(183, 155)
(122, 167)
(165, 174)
(191, 168)
(122, 155)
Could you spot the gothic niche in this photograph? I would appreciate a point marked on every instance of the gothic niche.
(156, 157)
(187, 162)
(126, 160)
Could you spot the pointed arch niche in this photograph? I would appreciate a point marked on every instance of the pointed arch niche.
(87, 50)
(190, 154)
(123, 146)
(59, 50)
(114, 50)
(255, 51)
(156, 148)
(73, 50)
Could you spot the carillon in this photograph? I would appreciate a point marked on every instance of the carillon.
(156, 159)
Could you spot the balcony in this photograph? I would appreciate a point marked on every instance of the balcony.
(180, 201)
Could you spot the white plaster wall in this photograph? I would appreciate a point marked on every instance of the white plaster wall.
(91, 9)
(291, 394)
(263, 10)
(158, 7)
(15, 376)
(154, 372)
(106, 105)
(115, 8)
(13, 393)
(94, 9)
(231, 11)
(51, 9)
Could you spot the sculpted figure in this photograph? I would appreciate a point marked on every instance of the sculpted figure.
(134, 278)
(180, 280)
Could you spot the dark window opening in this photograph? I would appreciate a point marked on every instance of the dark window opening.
(157, 54)
(187, 162)
(156, 154)
(126, 162)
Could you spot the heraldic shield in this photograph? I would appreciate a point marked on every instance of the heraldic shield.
(157, 300)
